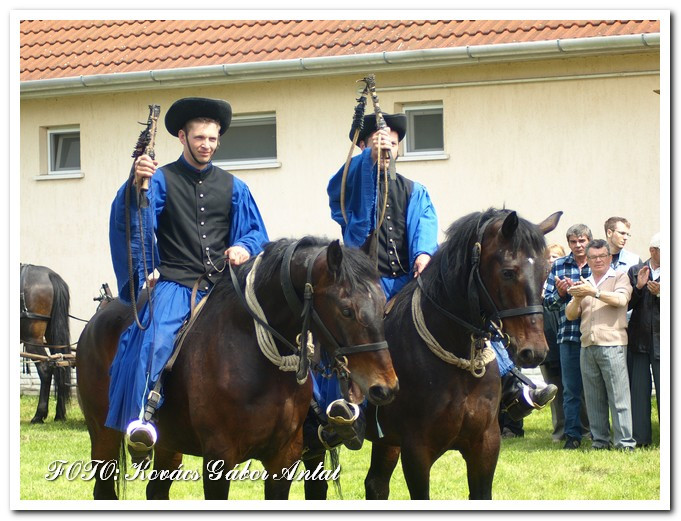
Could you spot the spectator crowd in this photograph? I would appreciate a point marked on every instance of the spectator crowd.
(602, 325)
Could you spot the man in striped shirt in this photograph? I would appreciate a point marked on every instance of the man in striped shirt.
(565, 272)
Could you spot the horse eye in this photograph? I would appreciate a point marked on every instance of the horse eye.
(508, 274)
(347, 312)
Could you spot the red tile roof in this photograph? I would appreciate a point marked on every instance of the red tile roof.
(67, 48)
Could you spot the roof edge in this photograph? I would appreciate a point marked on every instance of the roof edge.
(269, 70)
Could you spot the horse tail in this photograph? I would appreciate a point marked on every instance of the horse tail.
(58, 333)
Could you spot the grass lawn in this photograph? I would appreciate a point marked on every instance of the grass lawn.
(530, 468)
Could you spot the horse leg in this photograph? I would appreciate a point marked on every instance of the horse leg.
(383, 461)
(106, 447)
(315, 488)
(163, 460)
(416, 464)
(61, 382)
(481, 458)
(278, 467)
(215, 482)
(45, 375)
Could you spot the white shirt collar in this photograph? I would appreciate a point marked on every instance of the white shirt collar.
(610, 273)
(654, 273)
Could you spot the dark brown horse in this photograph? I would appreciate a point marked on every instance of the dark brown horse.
(44, 305)
(441, 406)
(491, 265)
(224, 399)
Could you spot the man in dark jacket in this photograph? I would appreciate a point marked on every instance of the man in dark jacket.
(643, 351)
(197, 214)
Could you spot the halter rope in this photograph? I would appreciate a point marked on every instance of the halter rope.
(479, 357)
(265, 338)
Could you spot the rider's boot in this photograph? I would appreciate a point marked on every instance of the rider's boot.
(346, 425)
(140, 437)
(347, 421)
(518, 399)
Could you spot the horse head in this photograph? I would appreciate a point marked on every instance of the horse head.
(513, 270)
(349, 302)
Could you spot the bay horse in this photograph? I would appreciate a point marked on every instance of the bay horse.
(44, 324)
(224, 399)
(491, 265)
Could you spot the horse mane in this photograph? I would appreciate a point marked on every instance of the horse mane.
(356, 268)
(456, 250)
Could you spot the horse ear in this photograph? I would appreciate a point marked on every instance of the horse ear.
(334, 257)
(510, 225)
(549, 224)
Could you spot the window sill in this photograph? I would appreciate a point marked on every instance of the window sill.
(424, 157)
(246, 165)
(53, 177)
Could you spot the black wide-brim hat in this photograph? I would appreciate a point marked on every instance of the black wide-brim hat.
(396, 122)
(186, 109)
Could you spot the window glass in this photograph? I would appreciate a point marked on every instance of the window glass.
(64, 150)
(424, 130)
(249, 138)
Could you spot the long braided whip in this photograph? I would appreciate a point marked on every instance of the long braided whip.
(357, 125)
(479, 357)
(370, 82)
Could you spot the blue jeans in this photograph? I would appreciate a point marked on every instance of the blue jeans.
(572, 388)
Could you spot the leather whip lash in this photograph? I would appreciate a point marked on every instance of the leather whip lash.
(145, 145)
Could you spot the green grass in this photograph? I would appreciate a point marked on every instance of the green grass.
(529, 468)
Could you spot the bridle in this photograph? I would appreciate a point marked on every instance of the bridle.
(493, 324)
(305, 309)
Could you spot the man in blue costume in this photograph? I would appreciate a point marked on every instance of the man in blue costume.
(197, 214)
(403, 233)
(407, 234)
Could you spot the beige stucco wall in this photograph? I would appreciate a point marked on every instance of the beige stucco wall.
(585, 144)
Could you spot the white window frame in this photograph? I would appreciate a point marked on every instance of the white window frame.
(411, 155)
(256, 163)
(52, 154)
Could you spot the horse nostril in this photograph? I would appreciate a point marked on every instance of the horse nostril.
(526, 355)
(381, 395)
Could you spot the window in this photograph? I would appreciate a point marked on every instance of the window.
(425, 135)
(63, 150)
(250, 142)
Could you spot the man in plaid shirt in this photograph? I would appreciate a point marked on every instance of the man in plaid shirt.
(564, 273)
